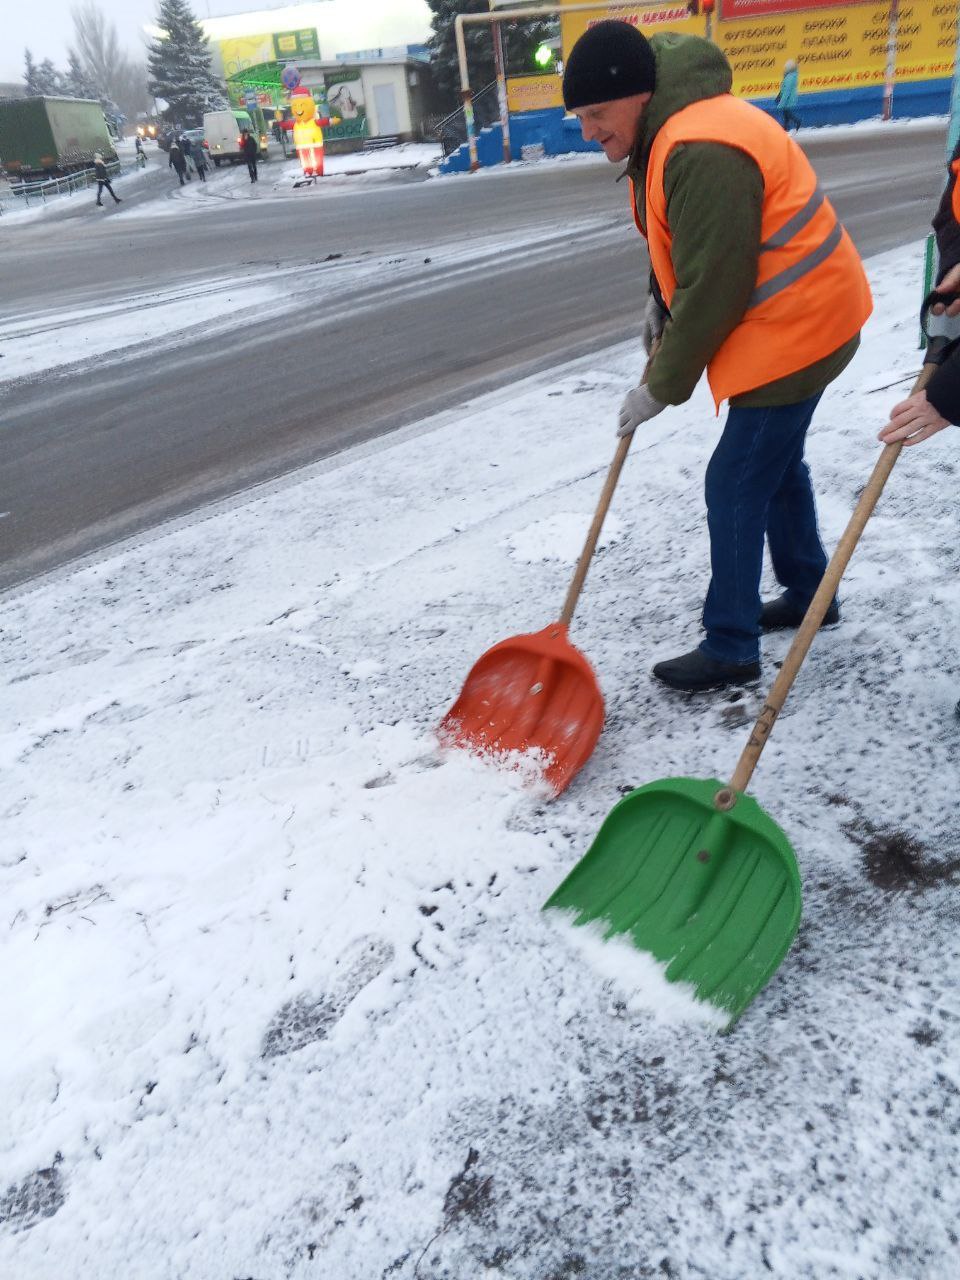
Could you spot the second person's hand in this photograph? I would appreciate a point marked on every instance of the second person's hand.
(912, 420)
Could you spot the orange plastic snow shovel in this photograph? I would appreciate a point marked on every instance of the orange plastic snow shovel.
(538, 691)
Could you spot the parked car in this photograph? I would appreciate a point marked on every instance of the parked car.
(222, 131)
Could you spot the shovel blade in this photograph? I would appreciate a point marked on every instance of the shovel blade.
(714, 896)
(530, 692)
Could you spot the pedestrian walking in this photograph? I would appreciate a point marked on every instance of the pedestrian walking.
(141, 154)
(251, 152)
(177, 162)
(788, 96)
(186, 147)
(748, 261)
(200, 162)
(103, 179)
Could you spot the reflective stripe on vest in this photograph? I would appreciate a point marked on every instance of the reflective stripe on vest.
(810, 291)
(796, 223)
(791, 274)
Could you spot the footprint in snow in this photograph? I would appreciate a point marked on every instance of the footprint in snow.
(40, 1195)
(309, 1018)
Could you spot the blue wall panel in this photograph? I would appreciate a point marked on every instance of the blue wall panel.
(559, 134)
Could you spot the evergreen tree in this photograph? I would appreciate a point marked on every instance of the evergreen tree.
(43, 78)
(520, 41)
(29, 72)
(179, 66)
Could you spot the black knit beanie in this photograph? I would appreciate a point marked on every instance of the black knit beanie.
(610, 60)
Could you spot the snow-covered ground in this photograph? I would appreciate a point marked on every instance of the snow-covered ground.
(343, 175)
(38, 340)
(278, 998)
(14, 211)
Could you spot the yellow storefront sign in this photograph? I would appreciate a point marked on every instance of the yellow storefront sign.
(650, 19)
(533, 93)
(836, 45)
(242, 52)
(839, 47)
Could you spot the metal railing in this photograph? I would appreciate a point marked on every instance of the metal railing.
(451, 131)
(21, 194)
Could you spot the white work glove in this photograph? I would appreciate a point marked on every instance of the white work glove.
(654, 319)
(640, 405)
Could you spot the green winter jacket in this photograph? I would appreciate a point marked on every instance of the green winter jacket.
(714, 198)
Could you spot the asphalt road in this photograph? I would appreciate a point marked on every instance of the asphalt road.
(394, 301)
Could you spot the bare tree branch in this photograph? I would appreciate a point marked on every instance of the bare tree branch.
(105, 65)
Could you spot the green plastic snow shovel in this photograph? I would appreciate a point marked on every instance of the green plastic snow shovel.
(693, 870)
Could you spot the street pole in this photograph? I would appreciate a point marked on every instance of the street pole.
(507, 15)
(466, 94)
(890, 74)
(499, 68)
(708, 7)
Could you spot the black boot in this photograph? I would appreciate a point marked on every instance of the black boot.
(782, 613)
(694, 672)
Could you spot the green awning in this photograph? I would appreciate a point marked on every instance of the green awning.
(265, 76)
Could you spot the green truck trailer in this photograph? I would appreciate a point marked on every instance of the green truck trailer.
(47, 137)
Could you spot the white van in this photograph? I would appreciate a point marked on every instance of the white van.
(221, 129)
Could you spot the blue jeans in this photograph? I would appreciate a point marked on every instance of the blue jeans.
(758, 484)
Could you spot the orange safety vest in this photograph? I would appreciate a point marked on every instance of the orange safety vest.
(955, 197)
(811, 293)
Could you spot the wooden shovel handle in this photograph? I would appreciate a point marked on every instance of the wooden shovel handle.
(593, 537)
(603, 506)
(819, 605)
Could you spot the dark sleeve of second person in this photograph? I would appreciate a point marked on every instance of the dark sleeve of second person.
(945, 225)
(943, 389)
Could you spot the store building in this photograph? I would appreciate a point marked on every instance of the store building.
(377, 93)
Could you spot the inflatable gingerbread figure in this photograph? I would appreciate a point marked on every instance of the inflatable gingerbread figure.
(307, 129)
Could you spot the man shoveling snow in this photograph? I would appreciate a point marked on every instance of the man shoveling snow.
(753, 280)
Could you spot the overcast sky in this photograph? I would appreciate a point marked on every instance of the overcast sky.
(343, 25)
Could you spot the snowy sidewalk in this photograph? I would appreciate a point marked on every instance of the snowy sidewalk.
(280, 1001)
(343, 175)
